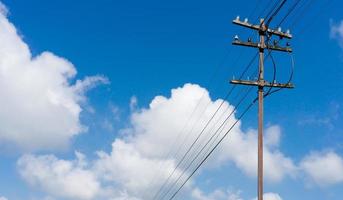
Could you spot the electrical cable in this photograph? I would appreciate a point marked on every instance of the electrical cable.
(275, 12)
(269, 93)
(265, 9)
(199, 153)
(273, 61)
(269, 20)
(301, 13)
(217, 144)
(274, 66)
(307, 26)
(202, 131)
(289, 80)
(187, 121)
(191, 115)
(271, 10)
(289, 12)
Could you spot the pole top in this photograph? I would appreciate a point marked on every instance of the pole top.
(263, 25)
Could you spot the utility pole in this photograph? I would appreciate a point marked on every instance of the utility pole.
(263, 31)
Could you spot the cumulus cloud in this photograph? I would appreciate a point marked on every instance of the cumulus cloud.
(61, 178)
(40, 105)
(149, 139)
(139, 163)
(42, 111)
(122, 174)
(131, 171)
(241, 149)
(323, 168)
(154, 129)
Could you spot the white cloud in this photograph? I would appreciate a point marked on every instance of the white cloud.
(241, 148)
(147, 143)
(122, 174)
(41, 110)
(3, 9)
(61, 178)
(138, 163)
(217, 194)
(133, 103)
(131, 171)
(156, 127)
(336, 32)
(271, 196)
(123, 196)
(220, 194)
(40, 106)
(323, 168)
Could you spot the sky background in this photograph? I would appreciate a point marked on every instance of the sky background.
(128, 54)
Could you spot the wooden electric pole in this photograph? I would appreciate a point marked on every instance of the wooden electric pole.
(260, 83)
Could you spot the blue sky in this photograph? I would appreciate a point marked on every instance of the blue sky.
(129, 57)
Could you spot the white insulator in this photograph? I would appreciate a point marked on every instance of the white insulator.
(237, 18)
(245, 20)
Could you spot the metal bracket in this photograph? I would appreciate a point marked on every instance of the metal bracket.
(256, 45)
(263, 83)
(258, 27)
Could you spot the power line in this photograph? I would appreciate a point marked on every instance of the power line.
(270, 91)
(289, 12)
(305, 7)
(202, 131)
(215, 134)
(212, 150)
(275, 12)
(188, 120)
(289, 80)
(167, 155)
(263, 30)
(271, 10)
(269, 20)
(314, 18)
(197, 155)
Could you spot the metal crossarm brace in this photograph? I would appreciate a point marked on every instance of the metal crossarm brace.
(262, 84)
(258, 27)
(256, 45)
